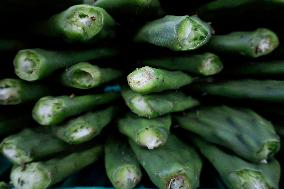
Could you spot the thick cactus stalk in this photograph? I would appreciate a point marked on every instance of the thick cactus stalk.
(149, 133)
(53, 110)
(48, 173)
(240, 130)
(200, 64)
(30, 145)
(238, 173)
(154, 105)
(178, 33)
(172, 166)
(85, 127)
(122, 167)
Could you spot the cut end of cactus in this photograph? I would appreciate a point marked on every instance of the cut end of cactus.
(151, 138)
(268, 150)
(27, 64)
(140, 106)
(31, 176)
(211, 65)
(82, 22)
(265, 41)
(127, 176)
(249, 179)
(46, 110)
(179, 182)
(142, 79)
(192, 33)
(79, 133)
(10, 91)
(14, 154)
(84, 76)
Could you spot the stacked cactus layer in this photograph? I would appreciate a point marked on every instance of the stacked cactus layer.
(164, 94)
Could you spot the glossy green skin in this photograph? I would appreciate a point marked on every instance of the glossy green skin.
(45, 62)
(199, 64)
(86, 76)
(269, 68)
(132, 126)
(81, 23)
(158, 104)
(118, 155)
(173, 160)
(131, 7)
(178, 33)
(147, 80)
(54, 110)
(10, 124)
(93, 122)
(31, 145)
(262, 90)
(229, 166)
(22, 91)
(219, 5)
(3, 185)
(247, 44)
(55, 170)
(240, 130)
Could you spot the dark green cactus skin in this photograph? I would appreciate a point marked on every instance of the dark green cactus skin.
(173, 163)
(240, 130)
(121, 165)
(155, 105)
(54, 110)
(199, 64)
(261, 90)
(54, 170)
(246, 43)
(238, 173)
(85, 127)
(30, 145)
